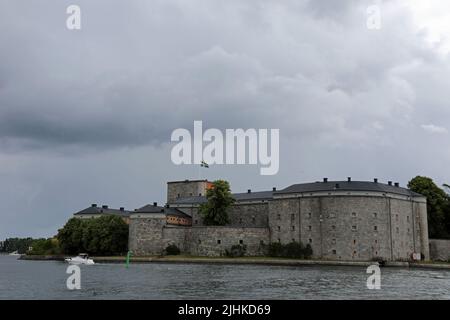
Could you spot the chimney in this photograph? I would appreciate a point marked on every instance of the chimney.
(325, 179)
(397, 184)
(390, 183)
(104, 206)
(274, 189)
(249, 191)
(155, 204)
(122, 209)
(375, 180)
(337, 186)
(94, 205)
(349, 179)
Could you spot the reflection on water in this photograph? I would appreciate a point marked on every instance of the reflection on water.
(47, 280)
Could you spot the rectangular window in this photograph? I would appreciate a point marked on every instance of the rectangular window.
(334, 251)
(278, 228)
(354, 214)
(375, 215)
(309, 215)
(278, 216)
(353, 228)
(218, 241)
(241, 241)
(375, 228)
(292, 216)
(333, 227)
(293, 228)
(310, 240)
(309, 228)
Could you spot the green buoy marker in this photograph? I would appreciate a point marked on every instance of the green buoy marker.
(127, 263)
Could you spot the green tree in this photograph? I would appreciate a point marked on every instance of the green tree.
(438, 206)
(105, 235)
(20, 245)
(45, 247)
(71, 236)
(219, 199)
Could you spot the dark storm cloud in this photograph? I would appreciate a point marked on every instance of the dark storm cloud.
(93, 110)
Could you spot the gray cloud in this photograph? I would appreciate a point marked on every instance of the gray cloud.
(80, 106)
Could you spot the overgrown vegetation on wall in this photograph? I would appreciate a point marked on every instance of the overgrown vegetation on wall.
(219, 200)
(438, 206)
(290, 250)
(106, 235)
(236, 250)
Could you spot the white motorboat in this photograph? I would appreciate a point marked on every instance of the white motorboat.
(82, 258)
(15, 253)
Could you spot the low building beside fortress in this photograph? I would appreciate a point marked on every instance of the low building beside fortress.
(341, 220)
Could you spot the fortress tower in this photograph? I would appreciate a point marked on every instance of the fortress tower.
(186, 189)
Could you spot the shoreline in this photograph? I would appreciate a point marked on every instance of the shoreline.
(245, 260)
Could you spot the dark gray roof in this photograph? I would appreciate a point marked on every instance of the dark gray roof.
(149, 208)
(163, 210)
(347, 186)
(311, 187)
(260, 195)
(100, 210)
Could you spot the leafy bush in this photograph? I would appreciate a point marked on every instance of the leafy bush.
(291, 250)
(106, 235)
(236, 250)
(172, 250)
(45, 247)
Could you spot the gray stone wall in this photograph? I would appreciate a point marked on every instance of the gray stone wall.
(146, 235)
(213, 241)
(440, 250)
(176, 235)
(350, 227)
(252, 215)
(337, 226)
(185, 189)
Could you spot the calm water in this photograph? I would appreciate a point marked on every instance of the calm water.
(47, 280)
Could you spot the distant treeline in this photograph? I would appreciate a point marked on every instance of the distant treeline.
(16, 244)
(106, 235)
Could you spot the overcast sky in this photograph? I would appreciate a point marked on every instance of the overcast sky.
(86, 115)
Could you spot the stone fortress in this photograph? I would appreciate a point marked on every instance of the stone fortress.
(341, 220)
